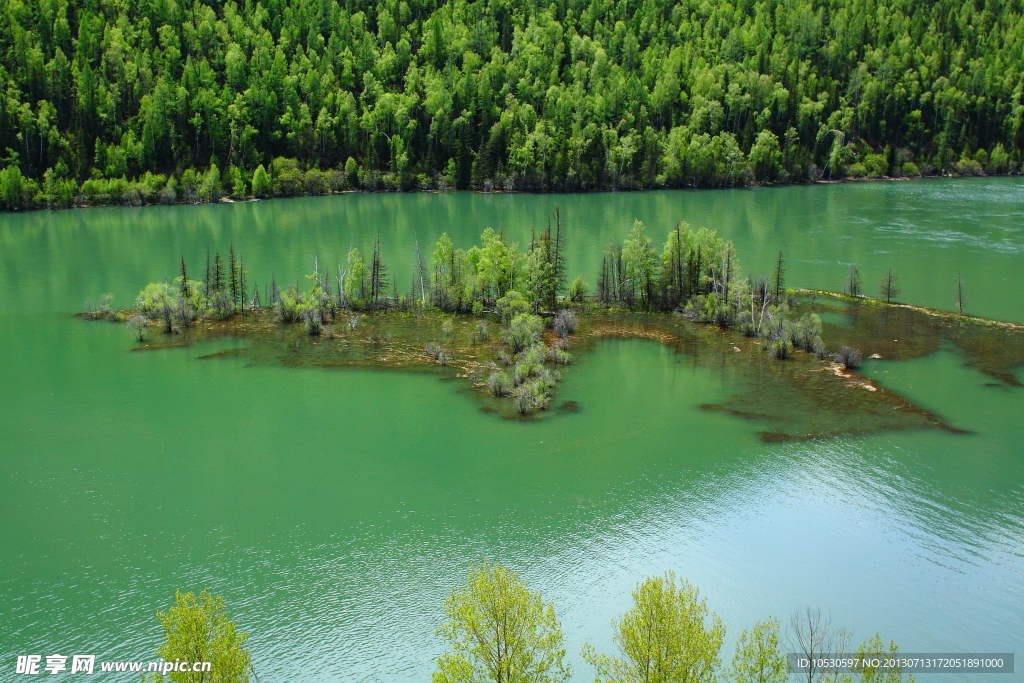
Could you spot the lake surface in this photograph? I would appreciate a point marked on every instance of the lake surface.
(334, 509)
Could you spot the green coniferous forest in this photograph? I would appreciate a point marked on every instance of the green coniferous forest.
(138, 101)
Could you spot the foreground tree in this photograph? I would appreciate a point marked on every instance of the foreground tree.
(812, 636)
(500, 631)
(758, 658)
(874, 649)
(669, 636)
(197, 629)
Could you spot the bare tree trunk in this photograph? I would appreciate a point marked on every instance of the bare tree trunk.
(812, 636)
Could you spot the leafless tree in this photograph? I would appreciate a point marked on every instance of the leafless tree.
(959, 293)
(565, 323)
(137, 327)
(420, 274)
(848, 357)
(811, 636)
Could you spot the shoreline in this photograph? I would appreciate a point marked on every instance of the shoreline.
(752, 185)
(587, 308)
(948, 316)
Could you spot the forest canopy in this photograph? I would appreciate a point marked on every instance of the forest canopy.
(109, 101)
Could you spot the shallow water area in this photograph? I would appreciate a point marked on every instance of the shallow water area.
(334, 508)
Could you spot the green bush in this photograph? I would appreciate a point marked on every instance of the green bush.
(499, 383)
(999, 160)
(968, 167)
(523, 331)
(96, 191)
(780, 348)
(857, 170)
(315, 182)
(876, 165)
(260, 182)
(289, 305)
(287, 178)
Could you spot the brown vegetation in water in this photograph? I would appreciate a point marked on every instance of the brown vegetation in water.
(800, 399)
(467, 317)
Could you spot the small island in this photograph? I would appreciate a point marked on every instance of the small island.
(506, 318)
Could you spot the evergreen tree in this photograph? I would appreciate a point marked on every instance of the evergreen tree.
(378, 274)
(673, 281)
(241, 284)
(233, 283)
(185, 291)
(557, 260)
(853, 282)
(779, 277)
(299, 99)
(889, 288)
(260, 182)
(206, 280)
(604, 283)
(218, 273)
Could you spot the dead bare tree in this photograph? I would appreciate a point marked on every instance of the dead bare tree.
(420, 269)
(811, 636)
(137, 327)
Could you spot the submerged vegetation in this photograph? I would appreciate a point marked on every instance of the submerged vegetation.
(501, 316)
(108, 102)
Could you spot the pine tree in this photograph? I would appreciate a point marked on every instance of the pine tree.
(727, 268)
(603, 283)
(218, 273)
(378, 274)
(241, 284)
(206, 282)
(853, 283)
(674, 286)
(779, 277)
(697, 272)
(233, 276)
(185, 291)
(557, 260)
(889, 288)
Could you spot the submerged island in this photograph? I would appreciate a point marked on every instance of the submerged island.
(507, 319)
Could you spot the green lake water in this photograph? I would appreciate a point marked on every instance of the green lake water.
(334, 509)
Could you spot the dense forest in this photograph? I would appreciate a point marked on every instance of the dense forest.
(109, 101)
